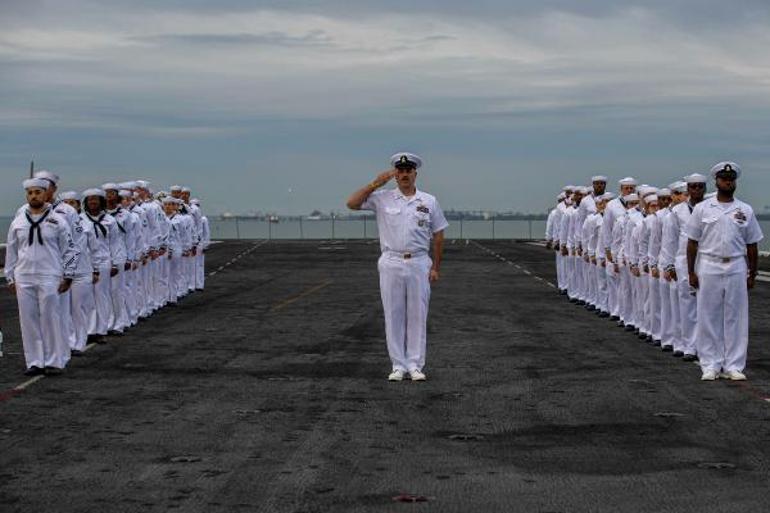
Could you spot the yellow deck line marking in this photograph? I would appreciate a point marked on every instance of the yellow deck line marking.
(287, 302)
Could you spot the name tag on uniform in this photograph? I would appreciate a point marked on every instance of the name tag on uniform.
(740, 216)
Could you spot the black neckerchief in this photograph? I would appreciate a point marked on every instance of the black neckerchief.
(115, 216)
(35, 227)
(98, 226)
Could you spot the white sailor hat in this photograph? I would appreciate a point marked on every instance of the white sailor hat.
(70, 195)
(607, 196)
(94, 192)
(646, 191)
(175, 188)
(128, 185)
(47, 175)
(665, 192)
(695, 178)
(142, 184)
(674, 185)
(599, 178)
(629, 180)
(170, 200)
(652, 198)
(36, 183)
(561, 196)
(405, 158)
(568, 188)
(195, 201)
(726, 167)
(631, 197)
(125, 193)
(110, 186)
(186, 189)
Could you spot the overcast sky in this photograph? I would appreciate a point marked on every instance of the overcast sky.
(289, 105)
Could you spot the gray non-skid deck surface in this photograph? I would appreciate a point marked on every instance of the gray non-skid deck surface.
(267, 392)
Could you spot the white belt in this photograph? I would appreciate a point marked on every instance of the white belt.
(406, 255)
(724, 260)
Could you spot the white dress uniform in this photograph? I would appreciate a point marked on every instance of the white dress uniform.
(671, 333)
(157, 228)
(551, 226)
(143, 243)
(722, 231)
(175, 248)
(631, 242)
(406, 226)
(688, 314)
(39, 254)
(590, 232)
(561, 261)
(107, 238)
(135, 249)
(93, 258)
(163, 263)
(615, 210)
(567, 240)
(200, 281)
(656, 299)
(600, 275)
(119, 320)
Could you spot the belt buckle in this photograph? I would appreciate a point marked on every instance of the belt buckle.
(407, 256)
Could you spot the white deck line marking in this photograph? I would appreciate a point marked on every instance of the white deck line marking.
(27, 383)
(763, 278)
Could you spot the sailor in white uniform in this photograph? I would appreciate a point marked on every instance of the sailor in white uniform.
(205, 242)
(408, 221)
(654, 224)
(722, 260)
(674, 249)
(671, 335)
(615, 210)
(93, 258)
(40, 263)
(119, 320)
(108, 241)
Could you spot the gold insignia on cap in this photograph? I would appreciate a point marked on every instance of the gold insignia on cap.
(728, 167)
(404, 159)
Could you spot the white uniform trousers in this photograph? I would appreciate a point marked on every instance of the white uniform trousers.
(173, 269)
(654, 307)
(588, 281)
(405, 291)
(82, 307)
(722, 331)
(675, 327)
(119, 317)
(130, 292)
(67, 325)
(688, 312)
(602, 290)
(559, 274)
(666, 312)
(191, 270)
(200, 269)
(642, 306)
(158, 281)
(572, 276)
(45, 345)
(626, 295)
(613, 287)
(148, 288)
(99, 323)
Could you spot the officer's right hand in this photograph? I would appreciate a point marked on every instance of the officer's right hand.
(385, 176)
(12, 288)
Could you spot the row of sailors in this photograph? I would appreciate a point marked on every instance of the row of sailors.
(88, 265)
(673, 265)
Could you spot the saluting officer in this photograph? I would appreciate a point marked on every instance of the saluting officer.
(723, 235)
(407, 220)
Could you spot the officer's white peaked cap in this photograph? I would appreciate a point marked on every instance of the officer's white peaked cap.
(406, 158)
(726, 166)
